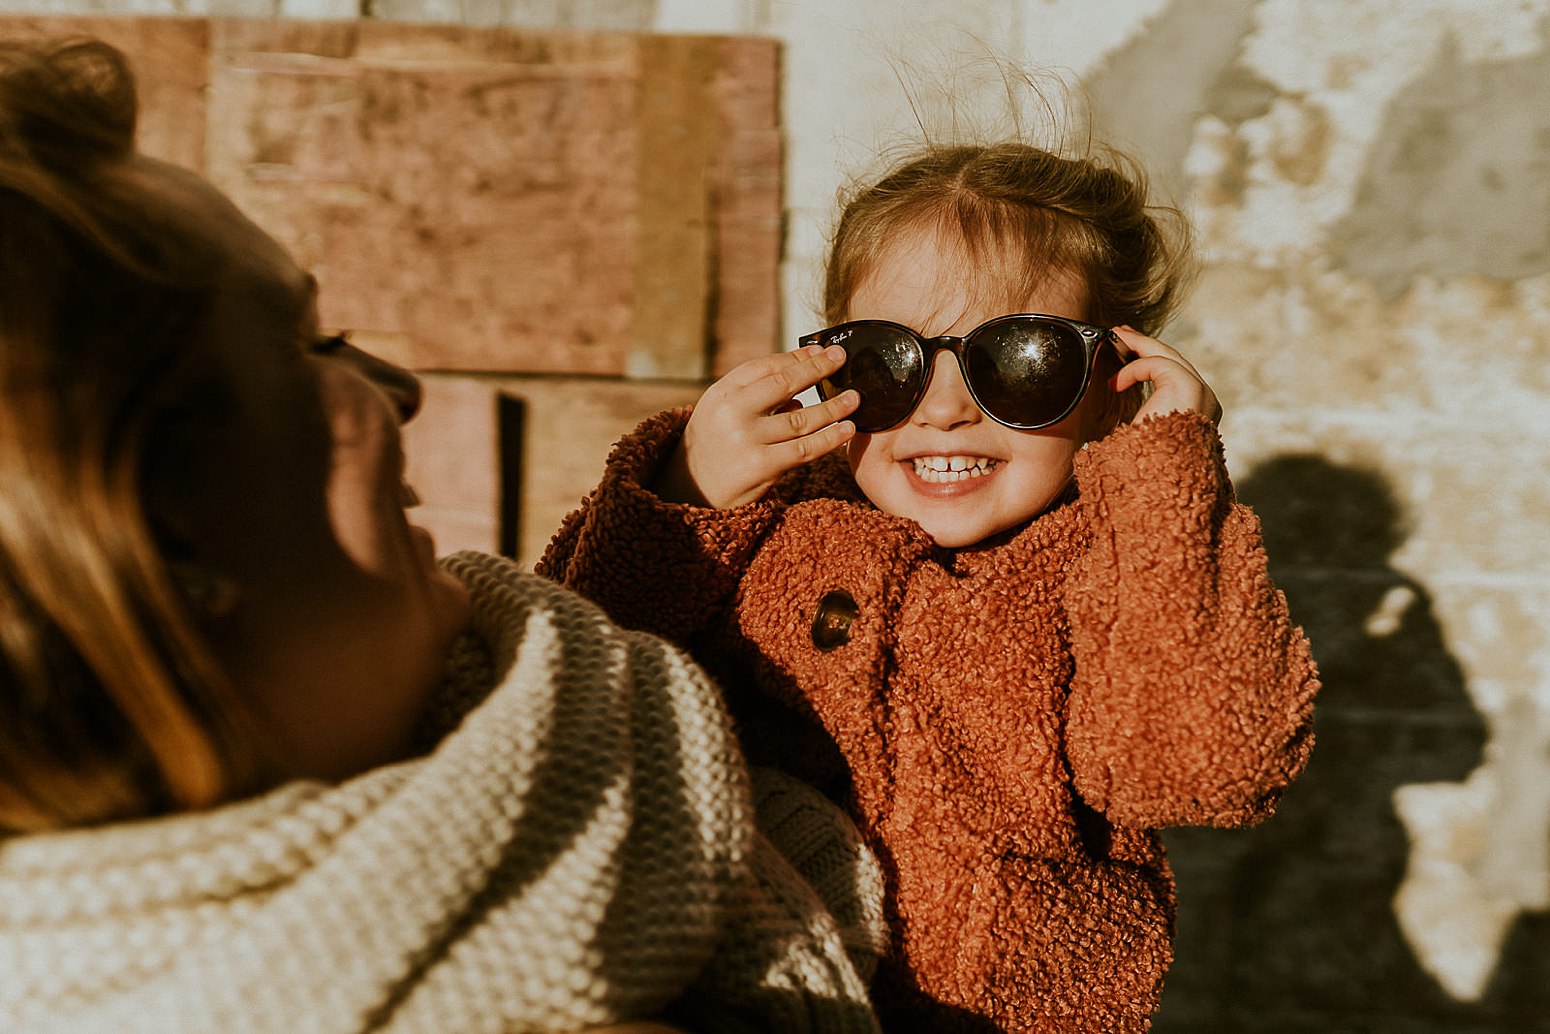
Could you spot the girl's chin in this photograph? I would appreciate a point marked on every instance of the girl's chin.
(963, 518)
(954, 530)
(953, 539)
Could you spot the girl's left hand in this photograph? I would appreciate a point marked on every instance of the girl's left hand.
(1176, 385)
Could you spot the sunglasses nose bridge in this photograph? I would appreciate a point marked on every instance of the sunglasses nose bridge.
(949, 402)
(958, 346)
(931, 346)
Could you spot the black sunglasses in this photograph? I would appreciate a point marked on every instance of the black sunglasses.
(1026, 371)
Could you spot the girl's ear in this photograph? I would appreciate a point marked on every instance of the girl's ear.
(1115, 408)
(1127, 404)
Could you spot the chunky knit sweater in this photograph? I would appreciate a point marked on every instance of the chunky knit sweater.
(1009, 723)
(579, 850)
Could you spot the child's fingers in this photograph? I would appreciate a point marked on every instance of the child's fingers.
(769, 382)
(789, 455)
(1155, 369)
(797, 420)
(1144, 347)
(1175, 386)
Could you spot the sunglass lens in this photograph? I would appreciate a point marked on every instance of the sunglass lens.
(885, 366)
(1026, 372)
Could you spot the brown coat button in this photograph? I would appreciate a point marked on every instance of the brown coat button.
(831, 625)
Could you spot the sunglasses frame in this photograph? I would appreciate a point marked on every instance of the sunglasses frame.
(1092, 338)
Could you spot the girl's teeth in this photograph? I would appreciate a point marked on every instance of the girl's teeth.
(938, 470)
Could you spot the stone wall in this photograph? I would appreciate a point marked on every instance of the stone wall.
(1371, 185)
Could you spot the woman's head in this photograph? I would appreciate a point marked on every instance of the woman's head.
(205, 570)
(955, 236)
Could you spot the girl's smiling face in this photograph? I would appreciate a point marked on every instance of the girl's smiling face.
(950, 468)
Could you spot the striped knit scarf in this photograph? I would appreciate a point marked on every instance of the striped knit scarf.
(580, 849)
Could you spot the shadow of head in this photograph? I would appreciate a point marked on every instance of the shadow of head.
(1324, 515)
(1331, 531)
(1291, 926)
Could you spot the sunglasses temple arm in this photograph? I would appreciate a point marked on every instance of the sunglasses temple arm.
(1118, 344)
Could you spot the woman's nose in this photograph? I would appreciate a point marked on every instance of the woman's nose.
(947, 403)
(402, 388)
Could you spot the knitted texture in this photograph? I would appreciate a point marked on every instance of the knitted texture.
(1010, 723)
(578, 851)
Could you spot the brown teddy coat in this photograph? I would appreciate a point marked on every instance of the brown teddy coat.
(1007, 723)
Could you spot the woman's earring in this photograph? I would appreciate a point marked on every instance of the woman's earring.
(209, 593)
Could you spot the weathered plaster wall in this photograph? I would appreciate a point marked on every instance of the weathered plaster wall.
(1374, 208)
(1371, 184)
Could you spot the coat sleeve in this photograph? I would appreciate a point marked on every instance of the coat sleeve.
(1193, 692)
(660, 567)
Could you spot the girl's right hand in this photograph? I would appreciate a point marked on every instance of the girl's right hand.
(748, 429)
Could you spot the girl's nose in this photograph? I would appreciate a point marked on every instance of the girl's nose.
(947, 403)
(401, 387)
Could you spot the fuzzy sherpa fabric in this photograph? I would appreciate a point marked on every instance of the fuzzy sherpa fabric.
(1009, 723)
(579, 849)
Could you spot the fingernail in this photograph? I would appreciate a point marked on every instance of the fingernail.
(834, 353)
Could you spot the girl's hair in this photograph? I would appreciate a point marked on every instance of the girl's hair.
(111, 705)
(1022, 214)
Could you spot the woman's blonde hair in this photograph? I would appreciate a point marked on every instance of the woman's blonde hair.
(110, 703)
(1022, 214)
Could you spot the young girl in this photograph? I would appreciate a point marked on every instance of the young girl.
(1024, 627)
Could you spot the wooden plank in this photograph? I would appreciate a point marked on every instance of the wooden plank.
(486, 199)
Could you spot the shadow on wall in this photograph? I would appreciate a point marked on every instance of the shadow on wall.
(1290, 926)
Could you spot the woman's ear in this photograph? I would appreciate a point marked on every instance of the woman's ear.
(209, 593)
(170, 505)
